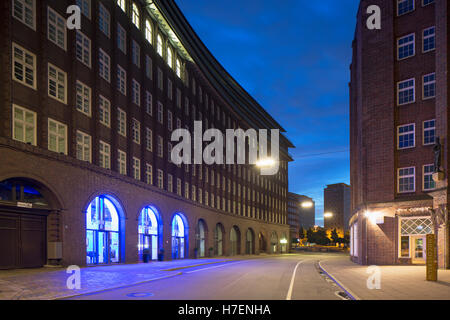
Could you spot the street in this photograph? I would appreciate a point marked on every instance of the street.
(289, 277)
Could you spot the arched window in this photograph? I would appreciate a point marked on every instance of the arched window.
(148, 31)
(249, 243)
(121, 4)
(159, 45)
(148, 232)
(218, 237)
(178, 68)
(201, 238)
(169, 57)
(135, 15)
(235, 238)
(102, 232)
(274, 242)
(179, 231)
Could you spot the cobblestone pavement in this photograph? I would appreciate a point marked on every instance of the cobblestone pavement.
(397, 282)
(50, 283)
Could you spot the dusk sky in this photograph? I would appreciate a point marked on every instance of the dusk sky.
(293, 57)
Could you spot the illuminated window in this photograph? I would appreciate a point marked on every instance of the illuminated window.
(160, 146)
(159, 45)
(136, 168)
(169, 182)
(105, 155)
(24, 66)
(105, 111)
(84, 143)
(160, 179)
(122, 122)
(148, 233)
(102, 232)
(57, 83)
(57, 136)
(149, 139)
(122, 5)
(178, 237)
(83, 98)
(149, 174)
(178, 68)
(148, 31)
(169, 57)
(135, 15)
(24, 125)
(122, 162)
(136, 129)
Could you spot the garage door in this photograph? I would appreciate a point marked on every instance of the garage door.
(22, 240)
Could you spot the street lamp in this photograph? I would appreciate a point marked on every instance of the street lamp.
(307, 204)
(265, 163)
(328, 215)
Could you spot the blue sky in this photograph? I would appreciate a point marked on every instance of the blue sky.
(293, 57)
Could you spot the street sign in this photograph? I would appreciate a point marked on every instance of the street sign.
(432, 268)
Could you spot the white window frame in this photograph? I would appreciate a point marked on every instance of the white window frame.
(428, 83)
(82, 96)
(136, 53)
(84, 149)
(121, 38)
(149, 174)
(424, 37)
(404, 134)
(405, 89)
(57, 83)
(104, 155)
(121, 80)
(104, 69)
(160, 111)
(122, 162)
(160, 146)
(136, 168)
(406, 176)
(430, 174)
(85, 6)
(81, 41)
(25, 8)
(59, 28)
(169, 182)
(160, 179)
(27, 68)
(136, 129)
(135, 15)
(148, 103)
(122, 5)
(58, 137)
(136, 92)
(25, 125)
(428, 129)
(149, 139)
(104, 20)
(148, 31)
(401, 14)
(122, 122)
(104, 111)
(413, 42)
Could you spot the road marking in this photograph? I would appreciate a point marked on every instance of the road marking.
(349, 293)
(223, 265)
(291, 286)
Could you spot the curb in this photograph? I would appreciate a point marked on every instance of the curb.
(347, 291)
(196, 265)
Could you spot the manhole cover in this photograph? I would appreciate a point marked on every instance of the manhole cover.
(140, 295)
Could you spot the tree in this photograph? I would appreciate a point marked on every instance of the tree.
(334, 236)
(310, 235)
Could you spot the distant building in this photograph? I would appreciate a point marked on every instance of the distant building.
(337, 207)
(301, 213)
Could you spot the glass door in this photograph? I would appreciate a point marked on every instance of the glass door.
(102, 247)
(418, 254)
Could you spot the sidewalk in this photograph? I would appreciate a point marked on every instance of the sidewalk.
(50, 283)
(397, 282)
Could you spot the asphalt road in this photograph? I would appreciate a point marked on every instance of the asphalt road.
(288, 277)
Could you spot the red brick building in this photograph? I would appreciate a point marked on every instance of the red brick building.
(398, 105)
(86, 118)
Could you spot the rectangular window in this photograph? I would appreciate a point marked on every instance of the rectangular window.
(429, 39)
(406, 136)
(136, 93)
(406, 180)
(406, 46)
(149, 139)
(429, 86)
(83, 98)
(404, 6)
(149, 103)
(179, 187)
(24, 125)
(160, 113)
(104, 65)
(149, 174)
(84, 143)
(406, 92)
(194, 193)
(186, 106)
(57, 136)
(169, 89)
(169, 120)
(104, 20)
(83, 48)
(148, 67)
(178, 98)
(206, 198)
(25, 12)
(136, 168)
(121, 38)
(428, 182)
(85, 6)
(57, 83)
(56, 29)
(121, 80)
(104, 111)
(160, 179)
(429, 132)
(160, 147)
(122, 122)
(136, 131)
(160, 80)
(122, 5)
(24, 66)
(169, 183)
(122, 162)
(404, 247)
(136, 53)
(186, 190)
(200, 195)
(427, 2)
(169, 152)
(105, 155)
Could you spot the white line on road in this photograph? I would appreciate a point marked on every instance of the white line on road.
(222, 265)
(291, 286)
